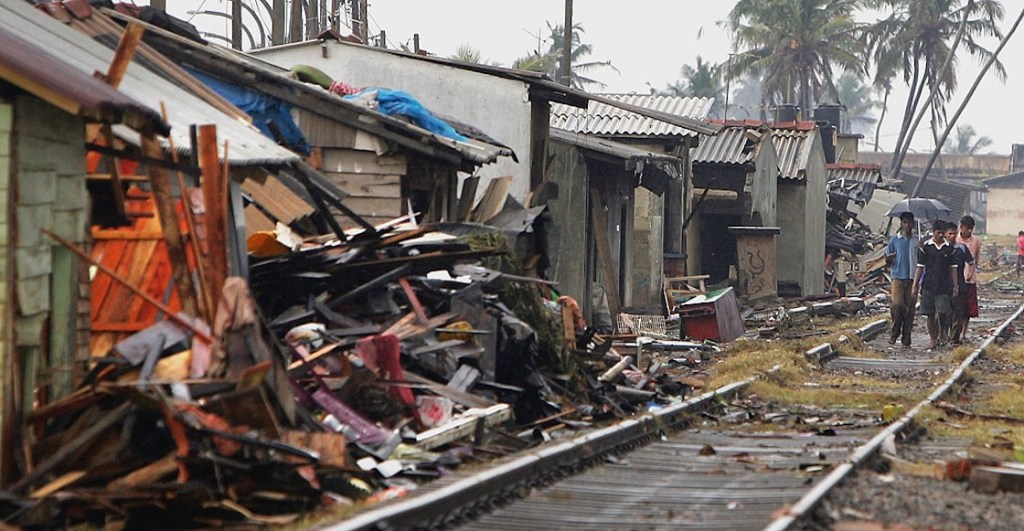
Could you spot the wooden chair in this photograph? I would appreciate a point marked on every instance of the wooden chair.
(682, 289)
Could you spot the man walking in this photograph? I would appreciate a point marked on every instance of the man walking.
(961, 258)
(901, 256)
(936, 281)
(970, 294)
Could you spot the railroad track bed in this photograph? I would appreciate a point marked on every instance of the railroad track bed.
(743, 458)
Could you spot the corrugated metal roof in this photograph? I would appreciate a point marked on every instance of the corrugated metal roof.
(608, 147)
(601, 118)
(732, 145)
(34, 69)
(865, 173)
(247, 145)
(794, 148)
(654, 169)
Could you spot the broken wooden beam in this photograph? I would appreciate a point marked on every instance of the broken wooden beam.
(463, 426)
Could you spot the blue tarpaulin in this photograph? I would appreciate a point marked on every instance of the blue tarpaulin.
(396, 102)
(270, 115)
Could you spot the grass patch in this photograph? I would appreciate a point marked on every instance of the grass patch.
(980, 432)
(825, 397)
(1012, 354)
(959, 354)
(746, 358)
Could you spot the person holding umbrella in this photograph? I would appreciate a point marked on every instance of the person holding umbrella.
(901, 256)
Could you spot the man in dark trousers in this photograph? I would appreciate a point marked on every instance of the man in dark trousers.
(901, 256)
(936, 281)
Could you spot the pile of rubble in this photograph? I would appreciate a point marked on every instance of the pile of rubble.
(352, 371)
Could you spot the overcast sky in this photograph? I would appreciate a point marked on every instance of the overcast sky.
(647, 41)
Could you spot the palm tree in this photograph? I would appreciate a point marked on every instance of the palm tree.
(858, 101)
(915, 41)
(965, 142)
(702, 80)
(548, 61)
(797, 45)
(467, 54)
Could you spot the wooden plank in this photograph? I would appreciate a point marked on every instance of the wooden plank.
(387, 207)
(365, 184)
(125, 234)
(351, 161)
(290, 199)
(169, 223)
(57, 484)
(609, 276)
(467, 197)
(126, 47)
(256, 220)
(169, 313)
(462, 427)
(332, 447)
(215, 197)
(150, 473)
(493, 200)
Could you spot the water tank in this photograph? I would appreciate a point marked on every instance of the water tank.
(830, 113)
(786, 113)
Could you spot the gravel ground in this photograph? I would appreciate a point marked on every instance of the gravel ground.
(877, 498)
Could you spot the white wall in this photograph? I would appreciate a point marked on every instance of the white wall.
(499, 107)
(1005, 215)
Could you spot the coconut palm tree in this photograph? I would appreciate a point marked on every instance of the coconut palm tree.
(915, 40)
(858, 101)
(701, 80)
(467, 54)
(967, 141)
(549, 60)
(797, 45)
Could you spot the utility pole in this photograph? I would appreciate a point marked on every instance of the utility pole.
(236, 24)
(277, 30)
(567, 45)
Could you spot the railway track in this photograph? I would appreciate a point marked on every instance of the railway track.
(722, 460)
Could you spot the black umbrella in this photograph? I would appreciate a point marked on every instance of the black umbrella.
(922, 208)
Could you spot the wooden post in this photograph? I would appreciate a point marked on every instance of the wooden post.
(236, 24)
(604, 252)
(164, 199)
(215, 197)
(295, 22)
(205, 298)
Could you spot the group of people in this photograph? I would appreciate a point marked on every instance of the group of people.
(941, 270)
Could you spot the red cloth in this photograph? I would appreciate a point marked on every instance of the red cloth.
(1020, 245)
(971, 300)
(342, 89)
(381, 354)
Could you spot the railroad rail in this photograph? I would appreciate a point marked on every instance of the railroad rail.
(667, 469)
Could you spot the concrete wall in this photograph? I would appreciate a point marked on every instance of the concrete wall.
(1005, 215)
(814, 217)
(792, 199)
(764, 186)
(500, 107)
(567, 242)
(648, 235)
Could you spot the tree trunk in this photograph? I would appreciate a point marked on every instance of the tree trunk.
(885, 107)
(916, 85)
(963, 105)
(932, 100)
